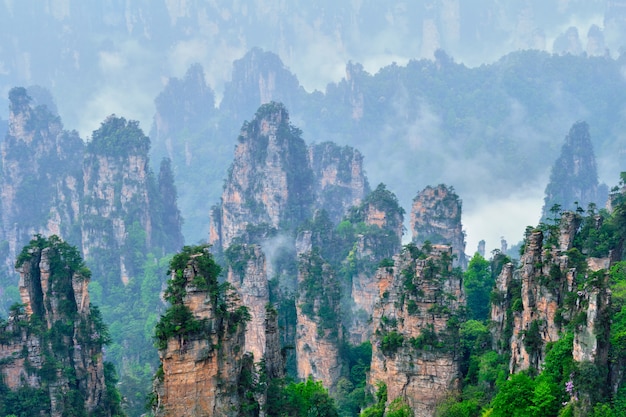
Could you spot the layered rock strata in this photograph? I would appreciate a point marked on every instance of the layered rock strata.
(436, 217)
(54, 343)
(415, 346)
(202, 359)
(549, 290)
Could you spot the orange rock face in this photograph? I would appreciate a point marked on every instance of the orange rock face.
(547, 279)
(56, 299)
(414, 351)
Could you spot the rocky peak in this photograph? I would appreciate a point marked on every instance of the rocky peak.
(41, 179)
(185, 103)
(258, 78)
(415, 346)
(52, 347)
(200, 339)
(379, 242)
(118, 208)
(340, 181)
(270, 181)
(381, 208)
(436, 217)
(574, 177)
(551, 293)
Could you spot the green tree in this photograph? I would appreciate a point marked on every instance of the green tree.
(307, 399)
(515, 397)
(478, 284)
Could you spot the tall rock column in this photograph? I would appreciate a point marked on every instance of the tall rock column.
(269, 184)
(41, 179)
(318, 331)
(117, 209)
(340, 181)
(53, 347)
(436, 217)
(550, 293)
(574, 176)
(415, 346)
(248, 274)
(382, 214)
(200, 340)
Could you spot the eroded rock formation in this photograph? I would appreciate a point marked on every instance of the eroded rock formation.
(269, 183)
(200, 342)
(340, 181)
(436, 217)
(318, 331)
(574, 176)
(41, 185)
(52, 347)
(415, 344)
(551, 288)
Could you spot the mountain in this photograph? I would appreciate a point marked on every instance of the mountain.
(104, 198)
(51, 350)
(420, 123)
(436, 218)
(305, 243)
(574, 176)
(121, 48)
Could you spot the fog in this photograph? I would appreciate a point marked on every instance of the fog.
(99, 59)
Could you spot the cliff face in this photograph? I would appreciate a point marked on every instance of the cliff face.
(436, 217)
(276, 183)
(340, 181)
(383, 215)
(550, 289)
(41, 184)
(415, 342)
(200, 342)
(318, 331)
(574, 177)
(115, 177)
(269, 183)
(53, 346)
(248, 275)
(123, 215)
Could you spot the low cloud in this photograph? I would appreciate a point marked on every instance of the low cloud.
(494, 217)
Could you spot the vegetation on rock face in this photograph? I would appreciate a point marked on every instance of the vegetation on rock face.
(117, 136)
(574, 178)
(67, 338)
(561, 386)
(195, 269)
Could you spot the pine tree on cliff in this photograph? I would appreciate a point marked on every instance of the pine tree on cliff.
(574, 177)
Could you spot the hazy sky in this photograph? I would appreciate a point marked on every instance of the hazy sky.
(99, 58)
